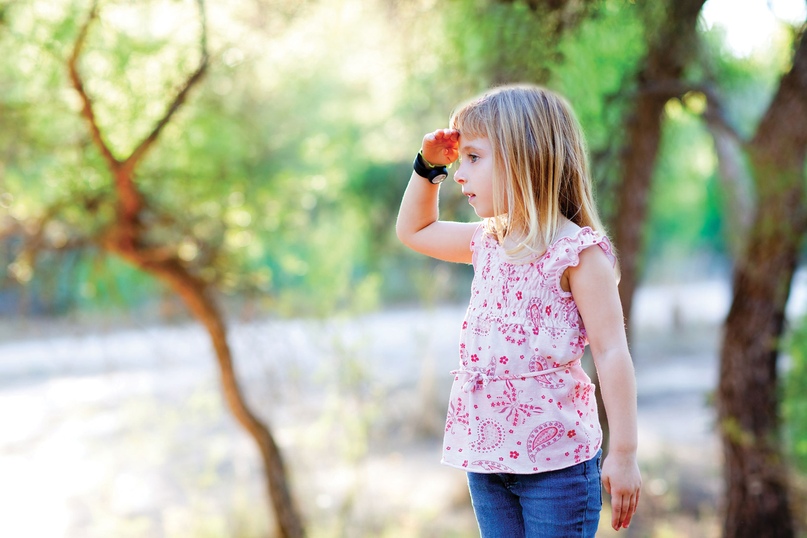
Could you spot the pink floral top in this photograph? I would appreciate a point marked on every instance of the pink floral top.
(521, 402)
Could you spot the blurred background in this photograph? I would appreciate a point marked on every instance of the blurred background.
(175, 173)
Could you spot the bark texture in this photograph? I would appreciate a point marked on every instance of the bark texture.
(127, 238)
(756, 480)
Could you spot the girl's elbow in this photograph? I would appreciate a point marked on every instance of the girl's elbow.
(404, 235)
(612, 355)
(409, 233)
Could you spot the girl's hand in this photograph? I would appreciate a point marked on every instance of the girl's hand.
(441, 147)
(622, 480)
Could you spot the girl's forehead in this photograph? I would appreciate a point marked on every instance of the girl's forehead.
(476, 142)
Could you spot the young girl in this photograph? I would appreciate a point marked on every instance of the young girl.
(522, 415)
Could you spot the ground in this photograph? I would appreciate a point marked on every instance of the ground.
(111, 430)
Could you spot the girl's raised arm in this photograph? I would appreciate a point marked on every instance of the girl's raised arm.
(418, 225)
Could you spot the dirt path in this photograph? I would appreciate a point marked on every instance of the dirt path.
(122, 432)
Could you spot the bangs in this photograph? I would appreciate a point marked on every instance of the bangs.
(472, 120)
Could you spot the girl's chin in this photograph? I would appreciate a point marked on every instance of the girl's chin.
(483, 214)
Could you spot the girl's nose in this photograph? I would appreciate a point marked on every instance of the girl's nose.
(459, 176)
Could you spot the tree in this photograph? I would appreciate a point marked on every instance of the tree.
(131, 227)
(765, 243)
(755, 472)
(671, 48)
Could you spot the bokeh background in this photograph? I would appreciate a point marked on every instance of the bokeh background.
(272, 186)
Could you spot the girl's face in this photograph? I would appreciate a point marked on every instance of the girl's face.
(475, 174)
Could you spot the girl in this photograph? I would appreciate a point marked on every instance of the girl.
(522, 416)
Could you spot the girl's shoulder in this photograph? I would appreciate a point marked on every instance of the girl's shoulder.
(572, 240)
(568, 230)
(564, 250)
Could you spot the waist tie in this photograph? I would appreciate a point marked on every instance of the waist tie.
(478, 379)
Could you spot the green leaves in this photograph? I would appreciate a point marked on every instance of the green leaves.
(282, 172)
(794, 401)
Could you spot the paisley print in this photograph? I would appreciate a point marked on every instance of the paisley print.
(534, 312)
(490, 436)
(503, 408)
(492, 466)
(543, 436)
(550, 381)
(480, 327)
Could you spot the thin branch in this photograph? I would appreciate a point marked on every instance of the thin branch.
(34, 231)
(130, 199)
(715, 115)
(131, 162)
(738, 185)
(78, 85)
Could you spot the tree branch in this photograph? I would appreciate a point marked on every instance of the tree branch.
(715, 115)
(130, 199)
(131, 162)
(737, 182)
(78, 85)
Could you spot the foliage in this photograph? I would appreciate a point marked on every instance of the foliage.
(794, 400)
(596, 75)
(254, 168)
(291, 156)
(684, 197)
(497, 42)
(746, 84)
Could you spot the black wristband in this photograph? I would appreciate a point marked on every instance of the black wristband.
(434, 174)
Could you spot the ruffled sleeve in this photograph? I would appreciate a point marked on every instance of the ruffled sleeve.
(477, 241)
(565, 253)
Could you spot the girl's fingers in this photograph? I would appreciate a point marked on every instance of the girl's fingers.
(634, 506)
(620, 511)
(628, 512)
(446, 135)
(624, 509)
(440, 146)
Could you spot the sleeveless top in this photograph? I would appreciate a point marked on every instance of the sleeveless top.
(521, 401)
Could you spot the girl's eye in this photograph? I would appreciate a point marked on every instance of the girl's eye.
(473, 158)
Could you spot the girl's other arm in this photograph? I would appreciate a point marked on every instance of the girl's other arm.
(593, 286)
(418, 225)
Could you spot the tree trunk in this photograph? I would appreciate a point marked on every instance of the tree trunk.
(127, 238)
(658, 82)
(196, 297)
(755, 473)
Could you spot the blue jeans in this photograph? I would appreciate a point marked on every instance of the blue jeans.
(556, 504)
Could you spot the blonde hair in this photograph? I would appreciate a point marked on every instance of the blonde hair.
(540, 163)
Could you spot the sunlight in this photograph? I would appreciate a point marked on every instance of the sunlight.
(29, 499)
(362, 59)
(750, 25)
(280, 201)
(164, 20)
(54, 466)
